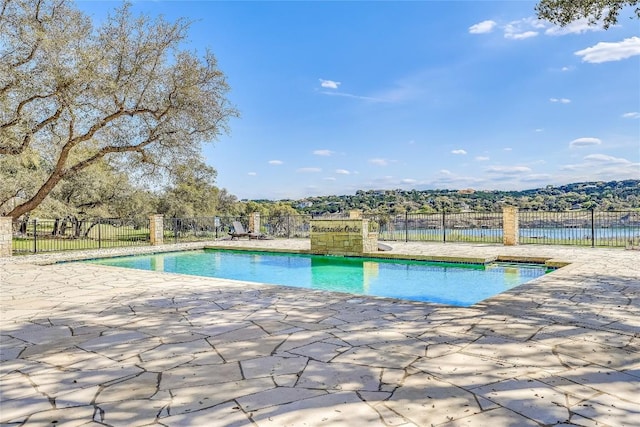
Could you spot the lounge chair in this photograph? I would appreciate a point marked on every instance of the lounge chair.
(239, 231)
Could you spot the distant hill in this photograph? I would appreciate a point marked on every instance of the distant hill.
(612, 195)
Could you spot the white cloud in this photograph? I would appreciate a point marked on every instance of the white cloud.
(523, 28)
(408, 181)
(275, 162)
(535, 177)
(560, 100)
(520, 36)
(565, 69)
(606, 52)
(631, 115)
(508, 170)
(458, 151)
(329, 178)
(379, 162)
(532, 26)
(508, 149)
(329, 84)
(576, 27)
(446, 172)
(323, 152)
(350, 95)
(539, 130)
(483, 27)
(584, 142)
(308, 170)
(252, 174)
(342, 172)
(482, 158)
(603, 158)
(603, 167)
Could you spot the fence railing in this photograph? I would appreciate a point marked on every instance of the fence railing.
(586, 228)
(42, 235)
(181, 230)
(440, 227)
(286, 226)
(583, 228)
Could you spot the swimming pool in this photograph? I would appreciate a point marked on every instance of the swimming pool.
(447, 283)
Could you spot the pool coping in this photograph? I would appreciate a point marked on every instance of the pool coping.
(70, 256)
(546, 261)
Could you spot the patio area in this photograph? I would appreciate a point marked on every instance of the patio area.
(86, 345)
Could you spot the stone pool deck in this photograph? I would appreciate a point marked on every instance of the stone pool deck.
(90, 345)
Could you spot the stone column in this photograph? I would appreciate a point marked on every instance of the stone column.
(254, 222)
(355, 214)
(156, 230)
(510, 227)
(6, 236)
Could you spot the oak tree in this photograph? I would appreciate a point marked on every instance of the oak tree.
(597, 12)
(72, 94)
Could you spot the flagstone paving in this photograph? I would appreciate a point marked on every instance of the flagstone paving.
(90, 345)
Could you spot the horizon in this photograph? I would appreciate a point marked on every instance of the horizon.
(337, 97)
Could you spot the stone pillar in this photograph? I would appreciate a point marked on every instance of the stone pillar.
(510, 227)
(156, 230)
(6, 236)
(355, 214)
(254, 222)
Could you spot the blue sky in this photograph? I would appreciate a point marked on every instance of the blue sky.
(338, 96)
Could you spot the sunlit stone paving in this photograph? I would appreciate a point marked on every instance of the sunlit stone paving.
(90, 345)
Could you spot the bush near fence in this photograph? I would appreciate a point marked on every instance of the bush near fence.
(585, 228)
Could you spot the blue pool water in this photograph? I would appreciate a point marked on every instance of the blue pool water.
(454, 284)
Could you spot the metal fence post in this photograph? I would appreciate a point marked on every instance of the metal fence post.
(444, 229)
(406, 226)
(35, 236)
(593, 229)
(99, 233)
(288, 226)
(175, 230)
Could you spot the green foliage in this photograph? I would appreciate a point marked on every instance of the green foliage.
(191, 193)
(614, 195)
(75, 95)
(597, 12)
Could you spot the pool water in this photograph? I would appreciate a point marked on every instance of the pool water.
(447, 283)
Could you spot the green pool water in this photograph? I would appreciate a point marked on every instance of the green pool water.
(453, 284)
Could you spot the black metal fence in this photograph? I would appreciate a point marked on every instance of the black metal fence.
(586, 228)
(286, 226)
(43, 235)
(440, 227)
(177, 230)
(180, 230)
(583, 228)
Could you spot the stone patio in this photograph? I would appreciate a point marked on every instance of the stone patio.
(90, 345)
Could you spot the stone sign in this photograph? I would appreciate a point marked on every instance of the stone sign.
(342, 237)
